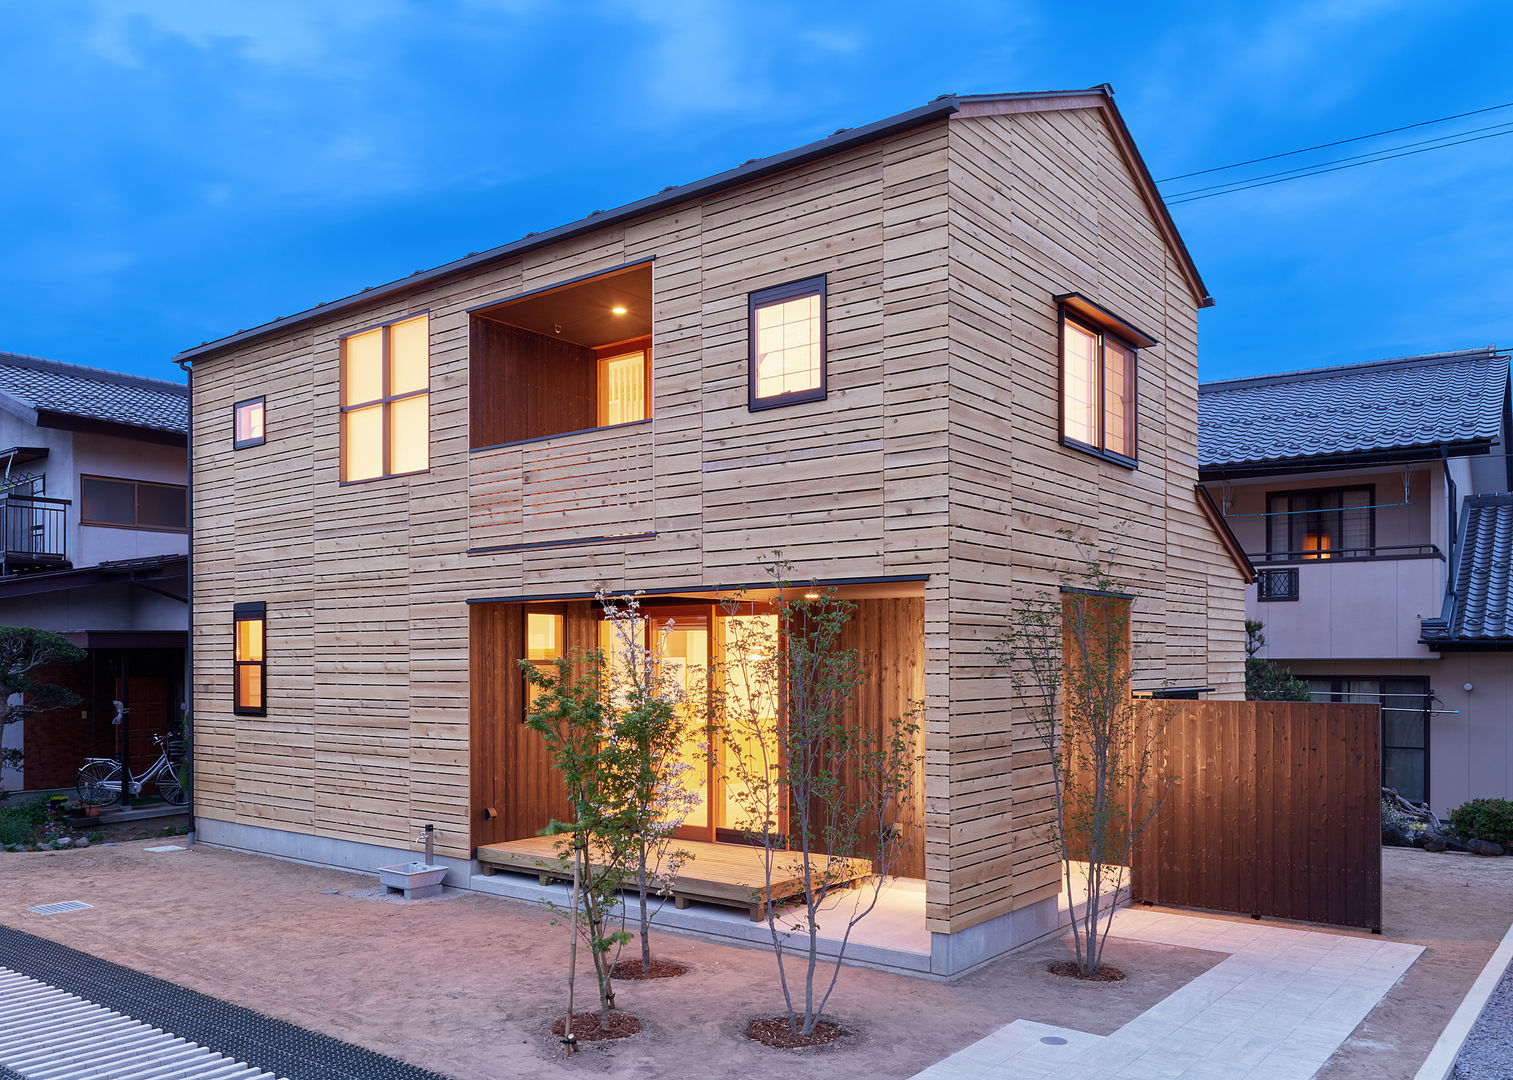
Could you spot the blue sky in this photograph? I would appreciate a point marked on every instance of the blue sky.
(175, 170)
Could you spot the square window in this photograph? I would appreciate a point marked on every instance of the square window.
(386, 401)
(1099, 380)
(247, 423)
(786, 363)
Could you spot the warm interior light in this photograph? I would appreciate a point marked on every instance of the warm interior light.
(618, 309)
(811, 596)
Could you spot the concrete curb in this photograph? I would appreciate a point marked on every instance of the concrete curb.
(1441, 1060)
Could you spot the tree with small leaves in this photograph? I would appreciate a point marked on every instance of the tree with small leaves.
(1266, 680)
(26, 655)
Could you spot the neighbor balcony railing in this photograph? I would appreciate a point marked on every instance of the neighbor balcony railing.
(1352, 554)
(34, 532)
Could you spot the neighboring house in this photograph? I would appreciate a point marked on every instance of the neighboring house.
(1372, 499)
(905, 355)
(94, 519)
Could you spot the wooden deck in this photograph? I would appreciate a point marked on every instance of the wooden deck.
(730, 875)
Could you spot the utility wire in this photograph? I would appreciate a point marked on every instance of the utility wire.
(1245, 186)
(1373, 154)
(1337, 142)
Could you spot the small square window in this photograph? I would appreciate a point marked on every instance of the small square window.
(247, 423)
(786, 364)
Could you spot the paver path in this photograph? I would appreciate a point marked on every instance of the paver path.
(1276, 1008)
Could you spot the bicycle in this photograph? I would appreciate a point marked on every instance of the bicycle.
(99, 779)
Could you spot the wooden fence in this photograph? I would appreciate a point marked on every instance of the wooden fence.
(1274, 809)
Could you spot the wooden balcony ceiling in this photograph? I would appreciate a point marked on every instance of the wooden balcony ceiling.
(583, 312)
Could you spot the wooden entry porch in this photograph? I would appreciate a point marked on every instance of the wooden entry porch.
(730, 875)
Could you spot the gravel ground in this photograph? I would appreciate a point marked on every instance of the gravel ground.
(1488, 1053)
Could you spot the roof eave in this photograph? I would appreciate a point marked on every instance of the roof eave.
(1353, 460)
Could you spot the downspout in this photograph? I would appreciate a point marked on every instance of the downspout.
(188, 777)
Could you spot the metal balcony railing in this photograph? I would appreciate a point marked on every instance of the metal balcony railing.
(1351, 554)
(34, 533)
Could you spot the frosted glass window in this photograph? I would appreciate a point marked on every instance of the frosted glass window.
(1079, 384)
(385, 424)
(1099, 390)
(247, 423)
(543, 635)
(787, 362)
(622, 388)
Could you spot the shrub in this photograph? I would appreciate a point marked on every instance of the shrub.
(1483, 819)
(1393, 815)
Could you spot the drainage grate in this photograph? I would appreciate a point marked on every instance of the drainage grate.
(62, 905)
(165, 847)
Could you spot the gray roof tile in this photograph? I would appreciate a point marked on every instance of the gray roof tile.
(1483, 583)
(1418, 401)
(95, 394)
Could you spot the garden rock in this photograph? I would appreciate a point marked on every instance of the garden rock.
(1483, 847)
(1433, 840)
(83, 841)
(1392, 836)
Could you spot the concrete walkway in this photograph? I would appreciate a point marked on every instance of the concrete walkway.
(1276, 1008)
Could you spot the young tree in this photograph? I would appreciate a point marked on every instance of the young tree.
(613, 724)
(809, 787)
(25, 655)
(1266, 680)
(1068, 657)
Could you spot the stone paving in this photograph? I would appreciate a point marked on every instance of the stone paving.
(1275, 1008)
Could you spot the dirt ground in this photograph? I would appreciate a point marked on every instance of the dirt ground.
(1458, 907)
(467, 984)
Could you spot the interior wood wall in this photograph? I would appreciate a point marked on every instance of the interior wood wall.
(935, 454)
(526, 385)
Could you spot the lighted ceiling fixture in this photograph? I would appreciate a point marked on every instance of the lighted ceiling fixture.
(811, 596)
(618, 309)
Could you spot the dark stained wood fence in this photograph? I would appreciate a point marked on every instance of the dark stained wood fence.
(1274, 809)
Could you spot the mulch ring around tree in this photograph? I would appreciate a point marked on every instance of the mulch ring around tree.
(1069, 968)
(586, 1026)
(775, 1031)
(660, 969)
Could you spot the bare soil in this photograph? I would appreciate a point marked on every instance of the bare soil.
(468, 985)
(1068, 969)
(630, 970)
(588, 1027)
(776, 1031)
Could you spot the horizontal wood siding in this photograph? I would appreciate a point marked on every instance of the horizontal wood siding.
(934, 454)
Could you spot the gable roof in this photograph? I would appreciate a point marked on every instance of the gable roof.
(1453, 400)
(1098, 97)
(1480, 610)
(49, 393)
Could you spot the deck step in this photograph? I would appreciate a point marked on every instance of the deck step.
(47, 1034)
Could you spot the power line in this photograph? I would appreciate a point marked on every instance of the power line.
(1337, 142)
(1372, 154)
(1246, 186)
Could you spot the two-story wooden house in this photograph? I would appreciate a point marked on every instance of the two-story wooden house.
(94, 544)
(1373, 500)
(907, 356)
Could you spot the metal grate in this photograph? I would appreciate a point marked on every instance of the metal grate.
(60, 906)
(1277, 584)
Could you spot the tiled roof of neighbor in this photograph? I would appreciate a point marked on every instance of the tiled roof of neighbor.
(38, 385)
(1483, 609)
(1416, 401)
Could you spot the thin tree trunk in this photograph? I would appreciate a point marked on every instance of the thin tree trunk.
(572, 956)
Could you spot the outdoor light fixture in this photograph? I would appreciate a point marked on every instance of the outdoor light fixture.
(1468, 687)
(618, 309)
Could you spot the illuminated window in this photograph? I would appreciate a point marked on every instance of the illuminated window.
(543, 644)
(1321, 523)
(133, 504)
(787, 359)
(249, 670)
(247, 423)
(1099, 380)
(622, 388)
(385, 401)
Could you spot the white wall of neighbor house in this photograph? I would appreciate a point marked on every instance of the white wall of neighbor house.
(1470, 734)
(125, 459)
(1368, 609)
(11, 738)
(112, 606)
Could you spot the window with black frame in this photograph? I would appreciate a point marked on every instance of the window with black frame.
(1405, 725)
(1325, 523)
